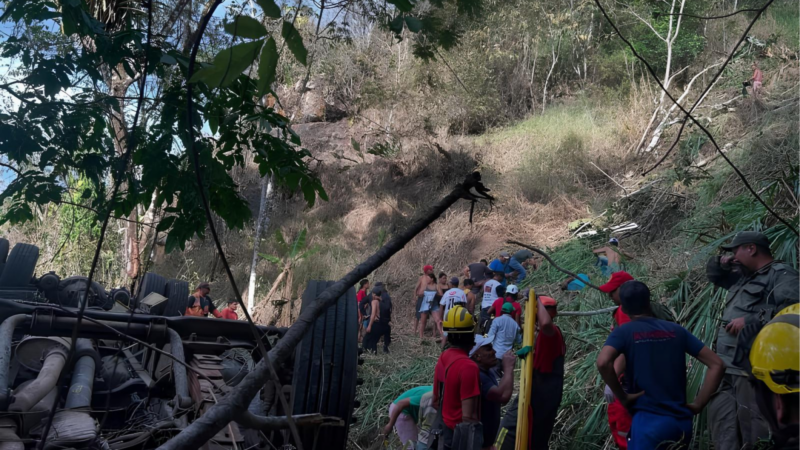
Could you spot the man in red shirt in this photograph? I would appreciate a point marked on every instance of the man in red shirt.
(512, 292)
(619, 419)
(456, 381)
(230, 312)
(362, 321)
(548, 383)
(548, 373)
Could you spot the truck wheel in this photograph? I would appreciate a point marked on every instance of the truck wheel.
(151, 282)
(177, 293)
(20, 265)
(325, 366)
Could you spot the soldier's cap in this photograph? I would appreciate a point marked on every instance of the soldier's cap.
(747, 237)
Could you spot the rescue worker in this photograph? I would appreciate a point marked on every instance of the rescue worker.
(548, 382)
(456, 385)
(775, 366)
(380, 318)
(619, 419)
(404, 416)
(548, 373)
(494, 394)
(200, 303)
(758, 287)
(609, 257)
(655, 354)
(230, 312)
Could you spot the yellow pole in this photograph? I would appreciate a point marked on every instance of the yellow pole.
(526, 374)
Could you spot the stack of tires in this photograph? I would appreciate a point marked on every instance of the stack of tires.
(325, 367)
(176, 292)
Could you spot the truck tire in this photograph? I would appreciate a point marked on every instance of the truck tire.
(4, 246)
(151, 282)
(20, 265)
(177, 293)
(325, 366)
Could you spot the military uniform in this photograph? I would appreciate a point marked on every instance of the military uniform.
(733, 415)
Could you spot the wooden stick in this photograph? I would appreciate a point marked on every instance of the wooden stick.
(550, 260)
(588, 313)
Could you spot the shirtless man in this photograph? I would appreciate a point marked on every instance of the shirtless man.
(609, 257)
(756, 79)
(419, 291)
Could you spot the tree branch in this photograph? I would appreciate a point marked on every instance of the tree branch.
(550, 260)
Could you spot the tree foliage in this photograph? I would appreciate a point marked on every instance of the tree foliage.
(80, 74)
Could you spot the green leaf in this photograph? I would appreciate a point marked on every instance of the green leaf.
(267, 66)
(396, 25)
(414, 25)
(168, 59)
(299, 244)
(295, 42)
(213, 123)
(165, 223)
(228, 64)
(402, 5)
(270, 8)
(246, 27)
(271, 258)
(281, 242)
(356, 145)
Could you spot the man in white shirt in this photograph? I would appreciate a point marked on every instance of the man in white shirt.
(504, 332)
(489, 296)
(452, 296)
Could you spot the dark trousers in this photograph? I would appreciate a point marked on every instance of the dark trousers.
(371, 339)
(546, 394)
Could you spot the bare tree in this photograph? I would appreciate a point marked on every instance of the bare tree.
(673, 29)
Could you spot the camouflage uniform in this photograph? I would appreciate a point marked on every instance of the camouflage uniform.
(733, 415)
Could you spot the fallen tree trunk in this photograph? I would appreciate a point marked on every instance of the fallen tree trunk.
(237, 401)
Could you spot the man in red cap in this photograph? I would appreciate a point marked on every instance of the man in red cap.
(619, 419)
(548, 382)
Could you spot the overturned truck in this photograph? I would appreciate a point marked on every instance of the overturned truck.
(138, 374)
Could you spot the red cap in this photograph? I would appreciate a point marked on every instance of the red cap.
(547, 301)
(617, 280)
(425, 269)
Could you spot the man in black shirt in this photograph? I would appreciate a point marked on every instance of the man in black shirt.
(200, 303)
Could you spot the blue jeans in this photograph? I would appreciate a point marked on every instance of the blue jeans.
(652, 431)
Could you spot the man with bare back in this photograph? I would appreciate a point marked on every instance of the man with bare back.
(609, 257)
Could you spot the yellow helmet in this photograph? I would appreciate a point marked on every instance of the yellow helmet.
(458, 320)
(775, 356)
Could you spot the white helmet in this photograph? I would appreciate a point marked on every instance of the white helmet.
(512, 289)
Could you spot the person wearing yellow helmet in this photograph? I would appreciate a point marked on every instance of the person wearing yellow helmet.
(775, 369)
(758, 287)
(456, 380)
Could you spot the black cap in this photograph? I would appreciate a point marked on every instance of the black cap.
(635, 297)
(747, 237)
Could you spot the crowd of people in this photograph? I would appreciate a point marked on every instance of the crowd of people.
(750, 391)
